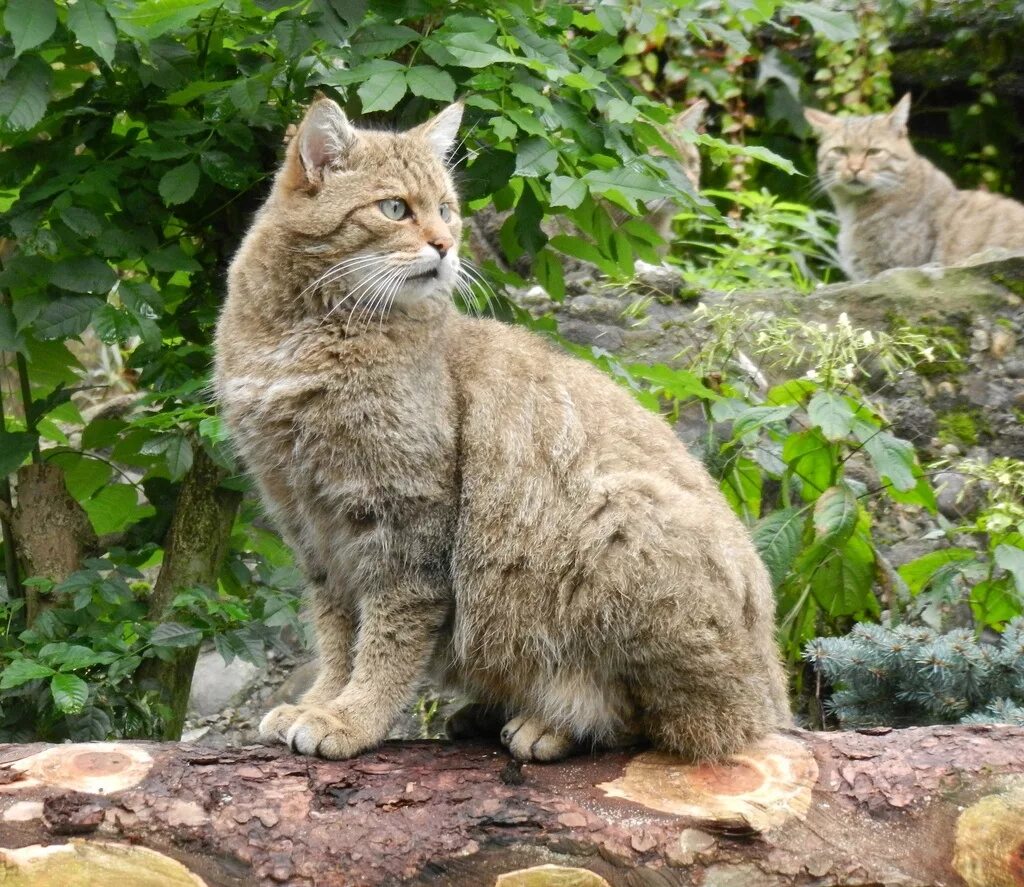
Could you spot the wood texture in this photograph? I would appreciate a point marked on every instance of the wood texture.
(925, 806)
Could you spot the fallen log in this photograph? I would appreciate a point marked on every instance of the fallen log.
(924, 806)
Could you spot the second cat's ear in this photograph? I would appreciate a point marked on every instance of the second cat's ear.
(324, 138)
(443, 130)
(900, 114)
(821, 121)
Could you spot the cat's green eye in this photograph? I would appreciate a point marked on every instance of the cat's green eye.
(841, 150)
(874, 152)
(446, 212)
(394, 208)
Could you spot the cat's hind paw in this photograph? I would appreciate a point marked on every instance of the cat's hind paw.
(530, 739)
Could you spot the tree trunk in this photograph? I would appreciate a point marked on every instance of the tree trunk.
(928, 806)
(194, 551)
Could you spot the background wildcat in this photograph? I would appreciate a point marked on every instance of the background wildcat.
(896, 208)
(462, 496)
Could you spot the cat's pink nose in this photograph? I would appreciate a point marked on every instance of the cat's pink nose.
(442, 245)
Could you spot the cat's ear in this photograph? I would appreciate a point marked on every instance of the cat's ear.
(324, 138)
(900, 115)
(442, 131)
(821, 121)
(691, 118)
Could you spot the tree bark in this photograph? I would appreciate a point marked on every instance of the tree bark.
(924, 806)
(194, 551)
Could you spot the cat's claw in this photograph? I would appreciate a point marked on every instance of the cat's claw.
(530, 739)
(326, 733)
(276, 723)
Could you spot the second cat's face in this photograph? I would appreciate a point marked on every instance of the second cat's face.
(858, 156)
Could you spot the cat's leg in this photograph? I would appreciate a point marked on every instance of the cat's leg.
(396, 638)
(532, 739)
(334, 623)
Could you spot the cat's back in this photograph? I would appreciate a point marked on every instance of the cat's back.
(978, 220)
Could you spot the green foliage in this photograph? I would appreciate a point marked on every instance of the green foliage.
(984, 565)
(907, 675)
(73, 673)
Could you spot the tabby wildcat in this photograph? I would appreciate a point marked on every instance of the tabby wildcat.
(465, 499)
(896, 209)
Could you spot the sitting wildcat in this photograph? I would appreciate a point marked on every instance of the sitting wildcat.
(466, 500)
(896, 209)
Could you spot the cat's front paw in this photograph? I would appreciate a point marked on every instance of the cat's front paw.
(328, 733)
(530, 739)
(278, 721)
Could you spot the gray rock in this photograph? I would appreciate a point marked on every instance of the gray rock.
(913, 420)
(297, 683)
(216, 685)
(956, 496)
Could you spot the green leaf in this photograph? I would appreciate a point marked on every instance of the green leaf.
(567, 191)
(65, 317)
(29, 22)
(149, 19)
(842, 579)
(174, 634)
(994, 603)
(15, 448)
(25, 93)
(470, 51)
(831, 24)
(93, 28)
(549, 273)
(175, 449)
(1011, 559)
(632, 185)
(431, 83)
(382, 91)
(83, 474)
(893, 459)
(832, 414)
(21, 671)
(919, 572)
(223, 169)
(81, 221)
(835, 515)
(113, 325)
(83, 274)
(69, 693)
(10, 338)
(114, 508)
(179, 184)
(382, 40)
(536, 157)
(809, 458)
(777, 538)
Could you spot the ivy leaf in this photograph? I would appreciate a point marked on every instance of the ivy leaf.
(431, 83)
(70, 693)
(832, 414)
(777, 538)
(25, 93)
(835, 515)
(382, 91)
(21, 671)
(29, 22)
(174, 634)
(65, 317)
(93, 28)
(567, 191)
(179, 184)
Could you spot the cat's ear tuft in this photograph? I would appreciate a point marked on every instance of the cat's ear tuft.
(443, 130)
(690, 119)
(324, 138)
(820, 121)
(900, 115)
